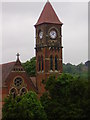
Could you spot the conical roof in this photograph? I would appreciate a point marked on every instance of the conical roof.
(48, 15)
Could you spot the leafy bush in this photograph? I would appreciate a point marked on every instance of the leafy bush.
(26, 107)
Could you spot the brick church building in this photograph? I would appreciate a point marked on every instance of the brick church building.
(48, 49)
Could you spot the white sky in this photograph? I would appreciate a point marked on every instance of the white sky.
(18, 32)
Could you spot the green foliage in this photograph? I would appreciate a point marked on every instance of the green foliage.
(26, 107)
(67, 98)
(30, 66)
(80, 70)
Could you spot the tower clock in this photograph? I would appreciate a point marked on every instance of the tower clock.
(48, 46)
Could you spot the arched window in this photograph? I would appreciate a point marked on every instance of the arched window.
(13, 92)
(39, 63)
(56, 63)
(42, 62)
(23, 91)
(51, 62)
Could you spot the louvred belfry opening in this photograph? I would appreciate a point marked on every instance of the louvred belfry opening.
(48, 15)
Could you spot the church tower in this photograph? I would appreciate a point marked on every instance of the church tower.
(48, 46)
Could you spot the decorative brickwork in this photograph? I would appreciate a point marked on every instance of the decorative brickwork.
(48, 46)
(15, 80)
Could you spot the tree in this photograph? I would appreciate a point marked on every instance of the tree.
(26, 107)
(30, 66)
(78, 70)
(66, 98)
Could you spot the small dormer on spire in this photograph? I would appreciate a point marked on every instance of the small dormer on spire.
(18, 54)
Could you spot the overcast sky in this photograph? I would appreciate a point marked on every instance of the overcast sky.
(18, 32)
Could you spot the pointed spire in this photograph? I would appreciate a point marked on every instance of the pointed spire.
(48, 15)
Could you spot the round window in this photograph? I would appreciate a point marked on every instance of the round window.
(18, 82)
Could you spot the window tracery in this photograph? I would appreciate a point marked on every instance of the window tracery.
(18, 82)
(23, 91)
(13, 92)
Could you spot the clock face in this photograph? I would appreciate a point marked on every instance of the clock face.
(41, 35)
(53, 34)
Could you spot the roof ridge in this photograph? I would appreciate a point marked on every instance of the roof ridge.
(7, 63)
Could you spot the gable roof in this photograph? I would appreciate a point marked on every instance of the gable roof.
(6, 69)
(48, 15)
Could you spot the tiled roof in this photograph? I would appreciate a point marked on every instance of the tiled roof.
(48, 15)
(6, 69)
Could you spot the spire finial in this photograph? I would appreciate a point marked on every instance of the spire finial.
(47, 0)
(17, 56)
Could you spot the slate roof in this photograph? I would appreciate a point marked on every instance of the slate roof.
(48, 15)
(6, 69)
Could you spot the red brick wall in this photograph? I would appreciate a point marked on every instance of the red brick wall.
(9, 83)
(43, 49)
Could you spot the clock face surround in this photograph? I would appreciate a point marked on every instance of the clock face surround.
(40, 34)
(53, 34)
